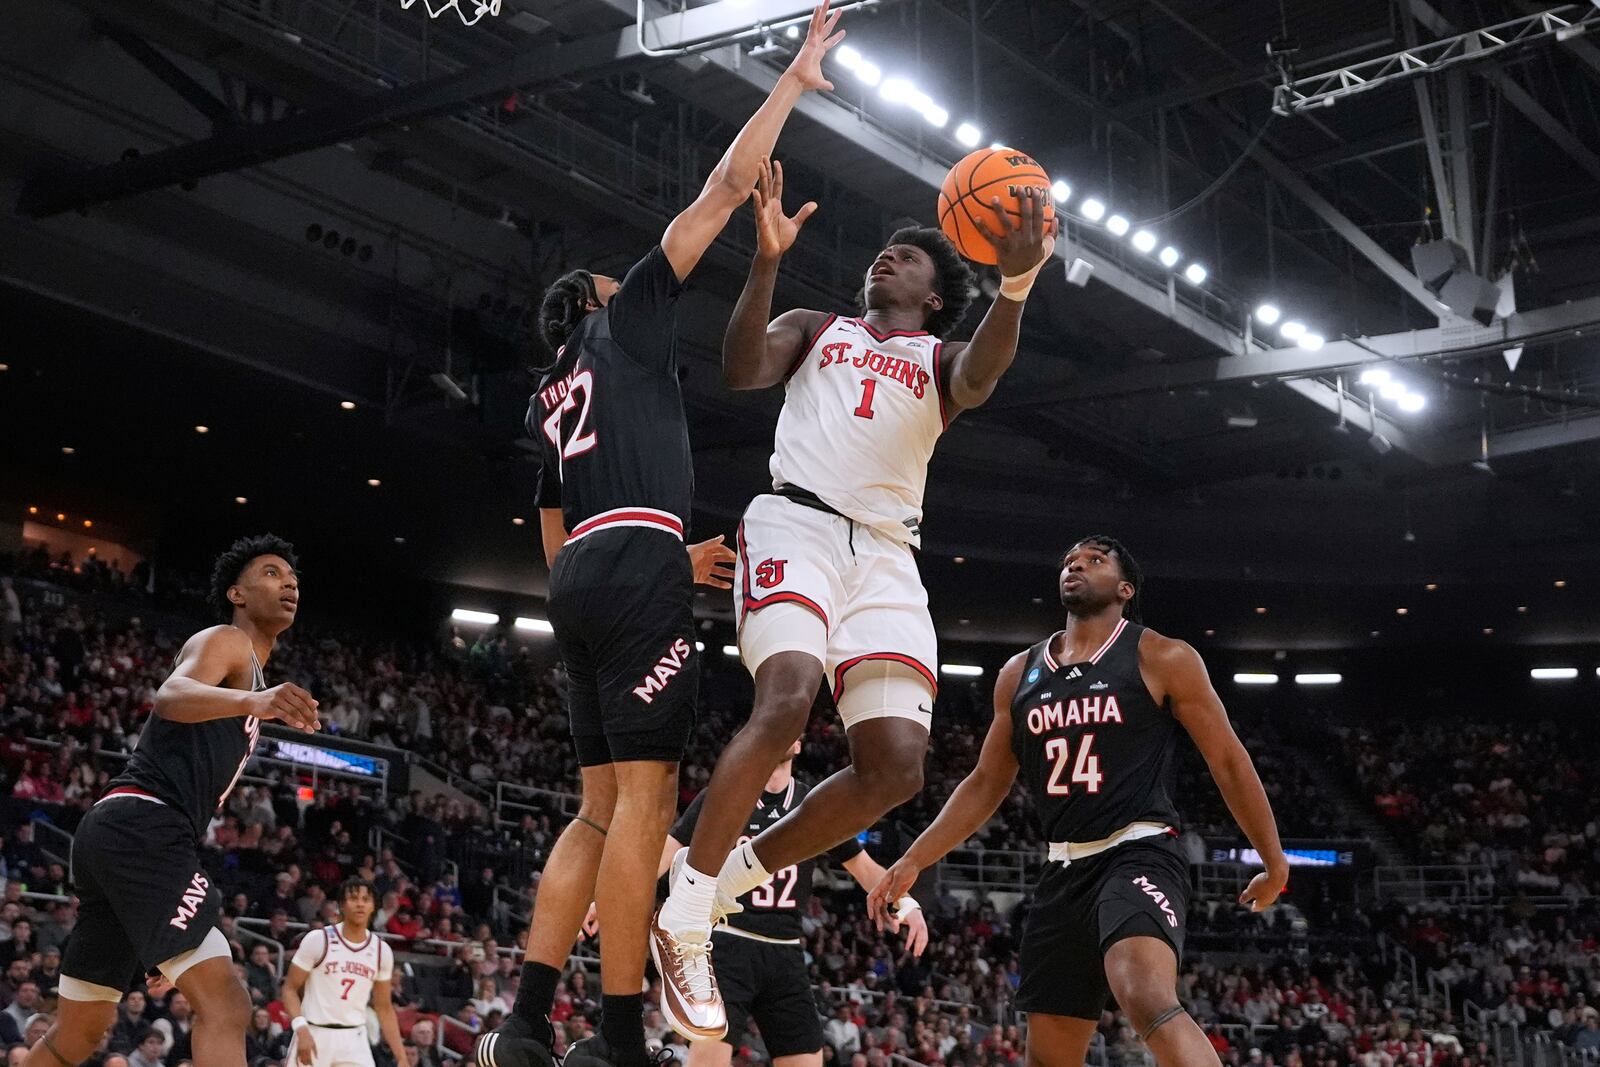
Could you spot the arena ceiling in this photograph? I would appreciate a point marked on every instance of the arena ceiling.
(150, 291)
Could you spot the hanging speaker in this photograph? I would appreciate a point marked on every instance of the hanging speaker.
(1467, 294)
(1435, 261)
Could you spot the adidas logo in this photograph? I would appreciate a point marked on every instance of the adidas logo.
(1076, 672)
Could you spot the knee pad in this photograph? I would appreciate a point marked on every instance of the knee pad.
(885, 688)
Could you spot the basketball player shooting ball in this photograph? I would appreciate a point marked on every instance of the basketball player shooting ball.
(145, 902)
(826, 584)
(1090, 717)
(336, 972)
(615, 492)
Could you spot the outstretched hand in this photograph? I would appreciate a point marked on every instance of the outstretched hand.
(775, 231)
(712, 563)
(1019, 247)
(807, 63)
(895, 883)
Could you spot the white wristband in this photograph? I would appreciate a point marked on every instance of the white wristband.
(1017, 288)
(905, 906)
(298, 1023)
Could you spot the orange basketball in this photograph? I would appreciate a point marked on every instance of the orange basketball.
(972, 186)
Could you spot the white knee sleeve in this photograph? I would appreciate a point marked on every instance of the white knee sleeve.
(77, 989)
(882, 688)
(213, 947)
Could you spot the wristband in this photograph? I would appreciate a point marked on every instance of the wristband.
(1017, 288)
(299, 1023)
(905, 906)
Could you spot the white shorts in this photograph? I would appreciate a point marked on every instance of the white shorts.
(335, 1048)
(862, 584)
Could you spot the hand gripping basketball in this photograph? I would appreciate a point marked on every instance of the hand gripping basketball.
(1021, 251)
(775, 231)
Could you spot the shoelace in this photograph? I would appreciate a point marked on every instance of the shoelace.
(694, 963)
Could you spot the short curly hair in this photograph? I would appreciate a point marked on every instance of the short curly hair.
(953, 280)
(231, 564)
(1132, 573)
(562, 307)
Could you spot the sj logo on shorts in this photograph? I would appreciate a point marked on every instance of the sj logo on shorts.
(769, 572)
(1159, 897)
(664, 671)
(193, 897)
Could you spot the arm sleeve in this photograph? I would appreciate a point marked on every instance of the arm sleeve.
(683, 829)
(385, 961)
(312, 951)
(643, 313)
(845, 851)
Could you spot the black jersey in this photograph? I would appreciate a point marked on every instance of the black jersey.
(193, 766)
(1095, 749)
(609, 415)
(772, 909)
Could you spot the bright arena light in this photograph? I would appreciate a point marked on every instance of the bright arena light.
(1311, 342)
(1318, 679)
(1169, 256)
(1292, 330)
(936, 116)
(1060, 191)
(538, 626)
(968, 135)
(1267, 314)
(1144, 241)
(793, 33)
(1413, 402)
(1092, 209)
(1195, 273)
(919, 100)
(731, 651)
(869, 73)
(1255, 679)
(896, 90)
(963, 670)
(849, 58)
(1374, 376)
(481, 618)
(1553, 674)
(1117, 225)
(1391, 390)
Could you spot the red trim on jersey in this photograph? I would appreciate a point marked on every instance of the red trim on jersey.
(755, 603)
(1050, 660)
(876, 336)
(130, 791)
(938, 380)
(326, 944)
(661, 520)
(346, 941)
(805, 349)
(896, 657)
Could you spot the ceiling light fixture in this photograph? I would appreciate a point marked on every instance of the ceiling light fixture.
(1195, 273)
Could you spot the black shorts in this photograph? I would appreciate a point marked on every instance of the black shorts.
(143, 897)
(1081, 909)
(767, 983)
(621, 602)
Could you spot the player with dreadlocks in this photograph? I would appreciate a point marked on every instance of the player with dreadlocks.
(1090, 717)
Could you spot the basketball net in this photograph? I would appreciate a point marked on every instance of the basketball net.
(479, 8)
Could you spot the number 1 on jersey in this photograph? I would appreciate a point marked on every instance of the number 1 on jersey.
(869, 386)
(1086, 771)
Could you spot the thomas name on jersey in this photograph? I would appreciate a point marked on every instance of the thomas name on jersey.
(1087, 711)
(890, 368)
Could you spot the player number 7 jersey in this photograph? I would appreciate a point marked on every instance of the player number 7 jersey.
(862, 412)
(342, 974)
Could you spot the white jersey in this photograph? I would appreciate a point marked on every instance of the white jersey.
(862, 411)
(342, 973)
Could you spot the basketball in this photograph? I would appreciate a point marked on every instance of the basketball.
(969, 192)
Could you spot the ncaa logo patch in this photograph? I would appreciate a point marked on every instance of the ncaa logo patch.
(1033, 676)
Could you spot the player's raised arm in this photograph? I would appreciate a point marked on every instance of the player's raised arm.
(692, 232)
(198, 688)
(1022, 250)
(1180, 676)
(973, 803)
(757, 354)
